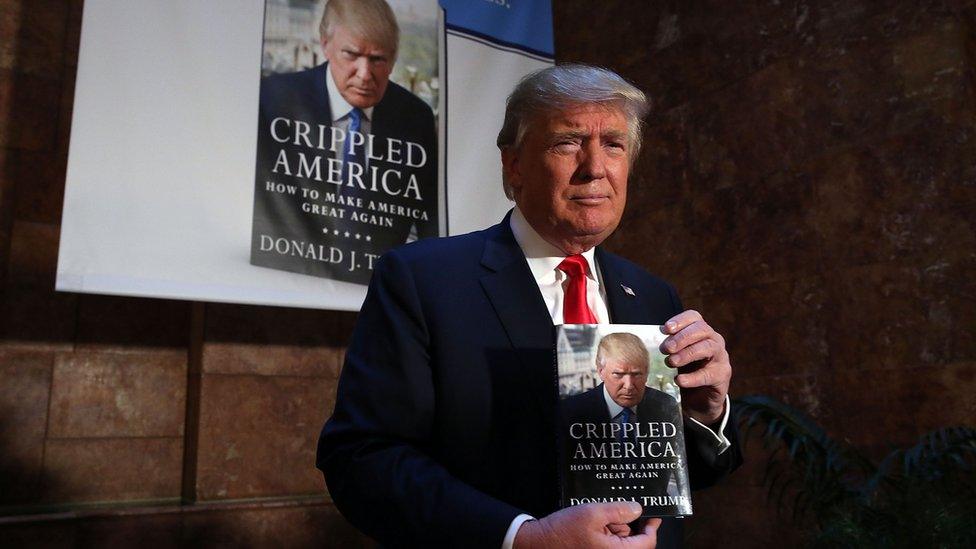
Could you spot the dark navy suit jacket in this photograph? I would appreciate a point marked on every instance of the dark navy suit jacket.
(445, 421)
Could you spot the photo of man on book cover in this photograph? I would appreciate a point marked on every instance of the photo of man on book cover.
(347, 156)
(620, 422)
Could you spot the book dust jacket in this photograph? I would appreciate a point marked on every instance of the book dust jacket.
(621, 435)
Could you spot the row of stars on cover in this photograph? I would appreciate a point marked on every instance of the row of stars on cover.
(347, 234)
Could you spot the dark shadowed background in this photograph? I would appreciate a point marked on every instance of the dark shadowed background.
(808, 182)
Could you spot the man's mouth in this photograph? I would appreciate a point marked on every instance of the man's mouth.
(363, 91)
(590, 199)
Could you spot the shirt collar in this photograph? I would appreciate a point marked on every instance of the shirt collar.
(337, 103)
(543, 257)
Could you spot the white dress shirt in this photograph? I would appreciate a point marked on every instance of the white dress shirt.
(543, 259)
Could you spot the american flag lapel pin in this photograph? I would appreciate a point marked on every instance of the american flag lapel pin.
(628, 291)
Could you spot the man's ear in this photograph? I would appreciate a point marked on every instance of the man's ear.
(510, 167)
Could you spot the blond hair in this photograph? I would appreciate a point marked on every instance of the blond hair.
(623, 347)
(371, 20)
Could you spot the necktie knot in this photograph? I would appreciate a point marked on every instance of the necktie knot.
(624, 415)
(624, 418)
(574, 265)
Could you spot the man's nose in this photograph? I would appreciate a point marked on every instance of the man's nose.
(628, 383)
(362, 69)
(593, 161)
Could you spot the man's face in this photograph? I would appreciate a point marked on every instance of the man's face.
(624, 382)
(361, 69)
(569, 176)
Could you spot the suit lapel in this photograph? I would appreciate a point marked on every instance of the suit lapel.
(625, 307)
(384, 115)
(597, 404)
(379, 122)
(320, 89)
(323, 109)
(514, 295)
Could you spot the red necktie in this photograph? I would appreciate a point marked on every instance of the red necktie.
(576, 310)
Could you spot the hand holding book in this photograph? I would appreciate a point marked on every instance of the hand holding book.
(591, 525)
(704, 369)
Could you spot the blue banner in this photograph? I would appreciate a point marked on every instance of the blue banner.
(520, 24)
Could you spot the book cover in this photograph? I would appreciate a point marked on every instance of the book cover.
(347, 154)
(620, 426)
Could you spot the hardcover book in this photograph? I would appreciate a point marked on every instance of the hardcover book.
(620, 426)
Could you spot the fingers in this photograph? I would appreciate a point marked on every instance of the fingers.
(690, 334)
(647, 538)
(715, 373)
(589, 525)
(652, 525)
(620, 512)
(705, 368)
(680, 320)
(700, 350)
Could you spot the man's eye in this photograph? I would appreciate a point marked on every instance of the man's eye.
(349, 56)
(567, 146)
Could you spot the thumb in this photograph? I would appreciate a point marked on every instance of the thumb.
(647, 538)
(652, 526)
(620, 512)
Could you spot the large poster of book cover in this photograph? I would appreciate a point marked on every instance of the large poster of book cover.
(347, 156)
(620, 430)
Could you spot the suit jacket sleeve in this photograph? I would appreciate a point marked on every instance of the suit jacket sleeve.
(706, 467)
(374, 451)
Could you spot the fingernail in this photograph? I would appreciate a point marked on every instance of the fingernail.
(672, 326)
(635, 507)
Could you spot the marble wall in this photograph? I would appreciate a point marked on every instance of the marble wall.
(115, 410)
(807, 183)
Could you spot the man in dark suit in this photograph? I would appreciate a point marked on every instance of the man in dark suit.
(343, 130)
(623, 399)
(444, 428)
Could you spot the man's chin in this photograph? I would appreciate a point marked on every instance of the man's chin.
(361, 101)
(594, 226)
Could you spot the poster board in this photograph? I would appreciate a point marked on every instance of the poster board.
(159, 198)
